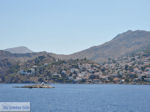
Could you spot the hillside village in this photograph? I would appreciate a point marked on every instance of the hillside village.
(132, 69)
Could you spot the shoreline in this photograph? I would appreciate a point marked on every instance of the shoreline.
(78, 83)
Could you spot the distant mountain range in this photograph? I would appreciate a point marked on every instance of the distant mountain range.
(19, 50)
(123, 44)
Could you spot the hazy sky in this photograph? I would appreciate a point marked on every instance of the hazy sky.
(67, 26)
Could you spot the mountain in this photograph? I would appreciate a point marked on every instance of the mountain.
(19, 50)
(123, 44)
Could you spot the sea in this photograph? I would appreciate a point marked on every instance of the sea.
(80, 97)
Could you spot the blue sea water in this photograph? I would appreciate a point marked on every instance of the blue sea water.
(81, 97)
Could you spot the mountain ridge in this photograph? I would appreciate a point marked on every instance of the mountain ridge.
(19, 50)
(122, 44)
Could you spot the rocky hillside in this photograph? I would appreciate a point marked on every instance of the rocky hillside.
(123, 44)
(20, 57)
(9, 62)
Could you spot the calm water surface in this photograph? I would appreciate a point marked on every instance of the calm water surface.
(81, 98)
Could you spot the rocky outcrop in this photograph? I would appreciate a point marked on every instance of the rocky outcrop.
(37, 86)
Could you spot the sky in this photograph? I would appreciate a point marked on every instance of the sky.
(68, 26)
